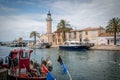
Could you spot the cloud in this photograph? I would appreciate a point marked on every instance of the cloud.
(19, 22)
(93, 13)
(15, 26)
(7, 9)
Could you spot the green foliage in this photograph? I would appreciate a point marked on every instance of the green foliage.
(63, 27)
(34, 34)
(113, 27)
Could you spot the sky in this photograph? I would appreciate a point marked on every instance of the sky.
(18, 18)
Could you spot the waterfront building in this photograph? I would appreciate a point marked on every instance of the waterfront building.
(86, 35)
(58, 37)
(108, 39)
(74, 35)
(90, 34)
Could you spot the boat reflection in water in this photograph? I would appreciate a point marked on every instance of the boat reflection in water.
(82, 65)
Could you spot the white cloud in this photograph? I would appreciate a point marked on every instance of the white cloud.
(93, 13)
(80, 14)
(13, 27)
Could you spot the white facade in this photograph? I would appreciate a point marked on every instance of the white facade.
(43, 38)
(108, 40)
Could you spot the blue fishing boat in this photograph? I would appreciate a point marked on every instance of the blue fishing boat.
(74, 46)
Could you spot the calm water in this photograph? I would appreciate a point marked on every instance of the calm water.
(82, 65)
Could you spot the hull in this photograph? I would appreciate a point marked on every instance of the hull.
(10, 77)
(74, 48)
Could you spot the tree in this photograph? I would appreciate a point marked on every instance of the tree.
(63, 27)
(20, 40)
(35, 35)
(113, 27)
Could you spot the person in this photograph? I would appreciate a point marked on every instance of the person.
(60, 60)
(1, 61)
(9, 59)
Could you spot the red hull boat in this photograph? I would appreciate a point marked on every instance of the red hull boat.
(10, 77)
(19, 66)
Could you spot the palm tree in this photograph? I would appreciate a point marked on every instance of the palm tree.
(113, 27)
(35, 35)
(61, 27)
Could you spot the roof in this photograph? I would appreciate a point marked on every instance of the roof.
(85, 29)
(107, 34)
(92, 28)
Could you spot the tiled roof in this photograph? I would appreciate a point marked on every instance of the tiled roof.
(91, 28)
(106, 34)
(85, 29)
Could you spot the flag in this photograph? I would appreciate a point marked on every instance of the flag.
(62, 64)
(60, 60)
(64, 68)
(50, 76)
(44, 69)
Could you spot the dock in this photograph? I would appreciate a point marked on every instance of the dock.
(106, 47)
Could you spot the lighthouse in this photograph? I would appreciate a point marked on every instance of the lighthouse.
(49, 23)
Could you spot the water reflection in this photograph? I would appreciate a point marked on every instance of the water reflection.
(83, 65)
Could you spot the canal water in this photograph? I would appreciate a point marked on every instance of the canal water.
(82, 65)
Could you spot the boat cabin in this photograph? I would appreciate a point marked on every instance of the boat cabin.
(19, 60)
(72, 43)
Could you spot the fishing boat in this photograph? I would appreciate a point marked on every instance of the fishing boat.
(20, 67)
(74, 46)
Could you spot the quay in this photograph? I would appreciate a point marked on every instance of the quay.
(106, 47)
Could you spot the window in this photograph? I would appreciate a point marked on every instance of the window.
(24, 55)
(58, 40)
(80, 35)
(86, 33)
(74, 34)
(69, 35)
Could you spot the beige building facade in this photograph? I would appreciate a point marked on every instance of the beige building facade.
(90, 35)
(86, 35)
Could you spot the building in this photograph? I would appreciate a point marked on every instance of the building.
(86, 35)
(90, 34)
(60, 36)
(108, 39)
(48, 36)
